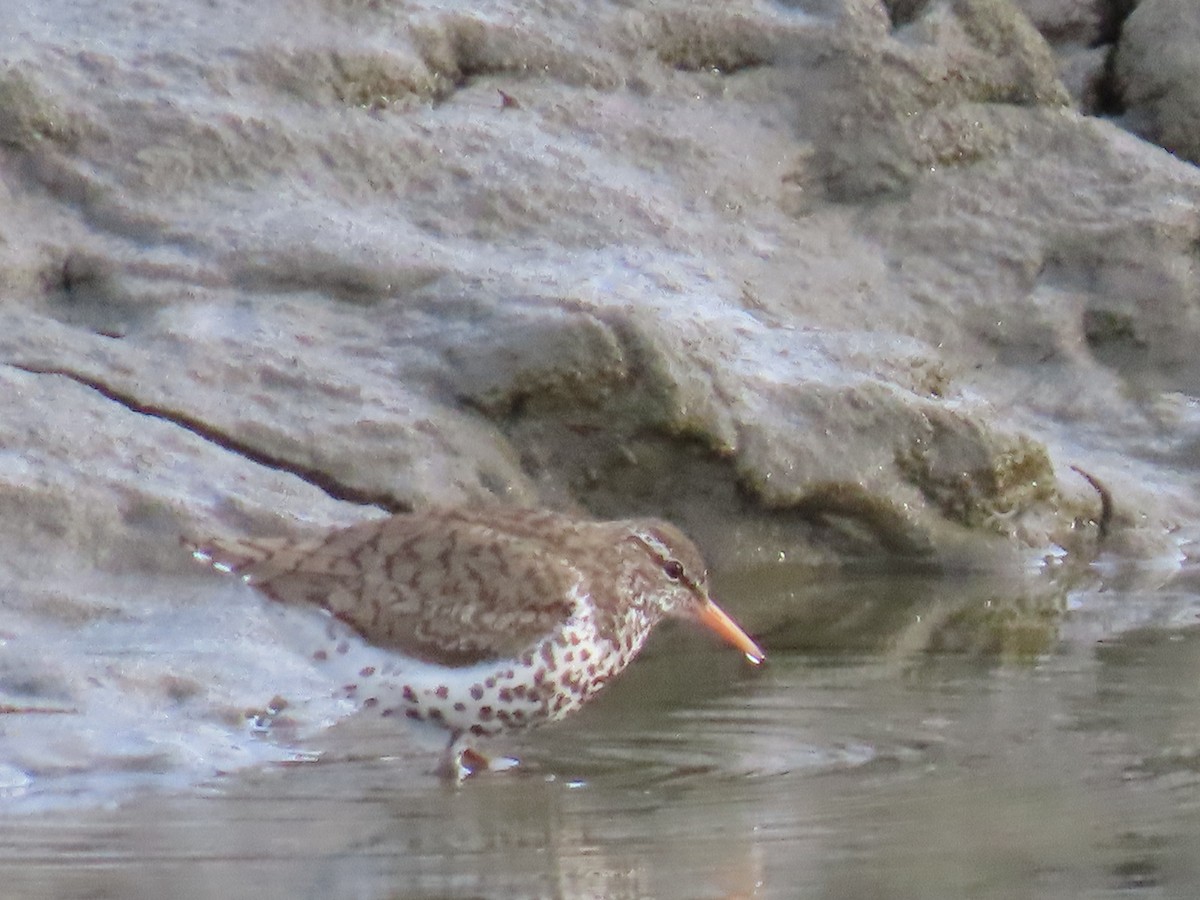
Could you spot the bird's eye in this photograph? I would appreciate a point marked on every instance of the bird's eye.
(674, 569)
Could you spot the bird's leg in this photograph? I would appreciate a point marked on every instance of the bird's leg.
(462, 760)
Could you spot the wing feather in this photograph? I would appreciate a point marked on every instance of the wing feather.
(448, 586)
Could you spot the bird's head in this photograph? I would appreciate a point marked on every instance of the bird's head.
(679, 584)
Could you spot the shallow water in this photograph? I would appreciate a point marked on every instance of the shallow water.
(910, 737)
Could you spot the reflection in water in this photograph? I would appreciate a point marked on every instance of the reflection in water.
(910, 737)
(981, 615)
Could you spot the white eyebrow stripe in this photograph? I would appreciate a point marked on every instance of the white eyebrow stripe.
(663, 553)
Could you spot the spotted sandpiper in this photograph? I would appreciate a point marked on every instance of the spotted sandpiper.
(493, 619)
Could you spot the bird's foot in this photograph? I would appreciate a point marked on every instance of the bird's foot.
(461, 761)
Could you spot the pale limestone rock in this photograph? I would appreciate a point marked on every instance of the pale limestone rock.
(1158, 74)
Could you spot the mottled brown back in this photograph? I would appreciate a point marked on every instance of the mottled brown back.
(449, 586)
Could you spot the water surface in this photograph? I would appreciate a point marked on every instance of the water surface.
(910, 737)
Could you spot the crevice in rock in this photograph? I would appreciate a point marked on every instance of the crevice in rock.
(904, 12)
(1114, 14)
(336, 489)
(1109, 98)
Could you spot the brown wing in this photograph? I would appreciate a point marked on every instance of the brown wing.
(444, 586)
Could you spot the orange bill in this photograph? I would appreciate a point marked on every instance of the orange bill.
(714, 618)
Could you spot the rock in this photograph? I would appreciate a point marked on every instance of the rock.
(423, 238)
(1082, 23)
(1085, 74)
(1158, 75)
(907, 93)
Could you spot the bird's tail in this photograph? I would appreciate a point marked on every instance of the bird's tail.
(253, 559)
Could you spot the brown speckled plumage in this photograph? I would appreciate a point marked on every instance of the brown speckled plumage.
(516, 616)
